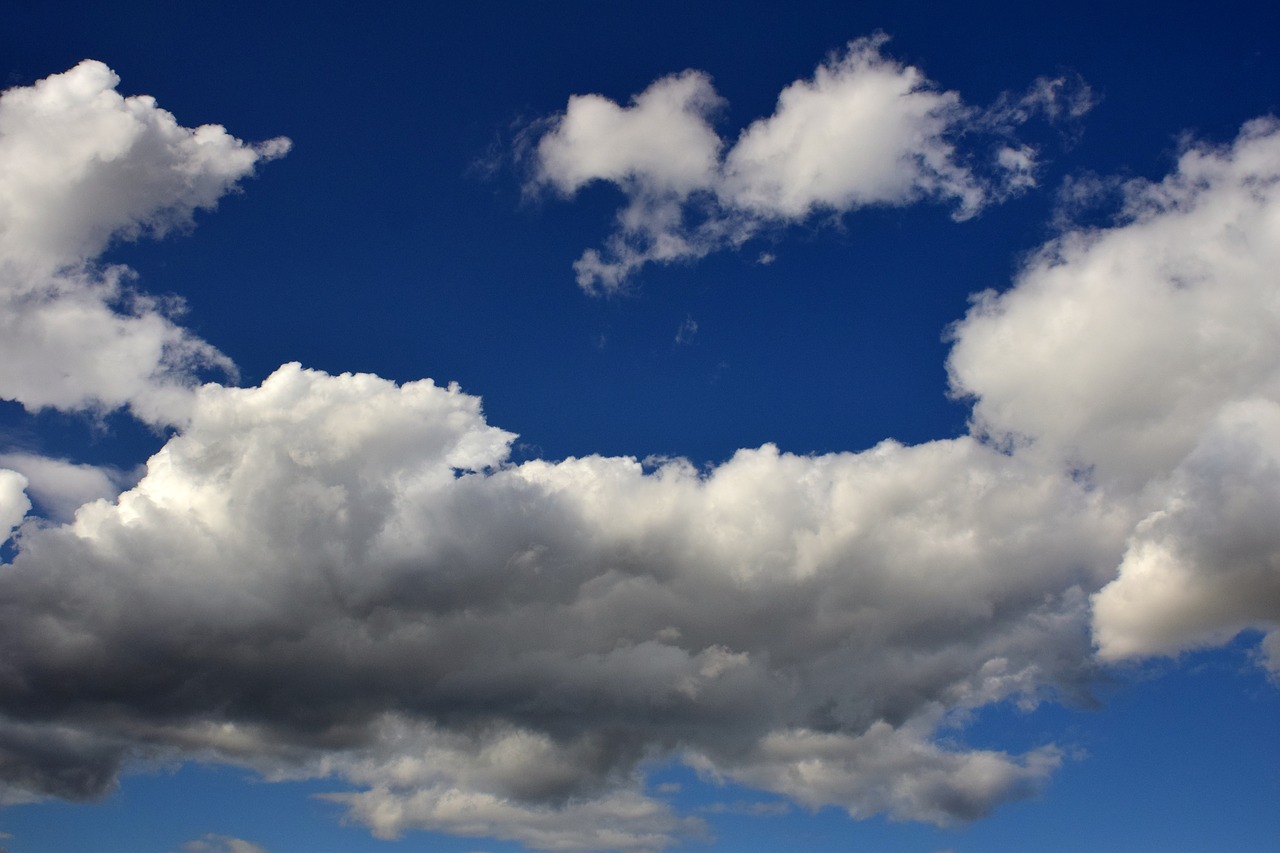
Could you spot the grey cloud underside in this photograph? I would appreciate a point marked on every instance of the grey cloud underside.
(338, 576)
(305, 570)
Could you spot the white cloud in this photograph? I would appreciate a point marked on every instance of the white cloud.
(1120, 345)
(213, 843)
(81, 165)
(342, 576)
(469, 785)
(662, 141)
(14, 503)
(686, 331)
(898, 772)
(61, 487)
(864, 130)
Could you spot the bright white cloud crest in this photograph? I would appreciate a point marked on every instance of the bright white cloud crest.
(342, 576)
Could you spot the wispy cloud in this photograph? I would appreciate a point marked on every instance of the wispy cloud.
(80, 165)
(213, 843)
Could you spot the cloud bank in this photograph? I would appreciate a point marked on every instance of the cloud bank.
(864, 130)
(339, 576)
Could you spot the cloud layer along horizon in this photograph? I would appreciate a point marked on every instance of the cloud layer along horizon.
(339, 576)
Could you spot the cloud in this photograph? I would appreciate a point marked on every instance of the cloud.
(81, 165)
(538, 630)
(341, 576)
(892, 771)
(14, 502)
(60, 487)
(212, 843)
(686, 331)
(1119, 346)
(1206, 565)
(774, 808)
(462, 785)
(662, 141)
(864, 130)
(1148, 355)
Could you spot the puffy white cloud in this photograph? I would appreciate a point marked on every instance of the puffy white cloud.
(80, 165)
(663, 141)
(1147, 355)
(214, 843)
(864, 130)
(312, 554)
(84, 341)
(660, 150)
(1119, 346)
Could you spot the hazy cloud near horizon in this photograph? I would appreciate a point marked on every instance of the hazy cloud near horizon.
(336, 575)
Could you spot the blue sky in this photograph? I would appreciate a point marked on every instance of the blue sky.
(866, 430)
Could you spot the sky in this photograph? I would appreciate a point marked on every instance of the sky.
(639, 427)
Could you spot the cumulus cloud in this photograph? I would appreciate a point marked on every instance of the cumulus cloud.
(495, 785)
(1119, 346)
(686, 331)
(341, 576)
(1206, 564)
(663, 140)
(1146, 355)
(14, 502)
(80, 165)
(864, 130)
(891, 771)
(60, 486)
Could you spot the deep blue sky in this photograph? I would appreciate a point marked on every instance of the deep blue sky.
(398, 238)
